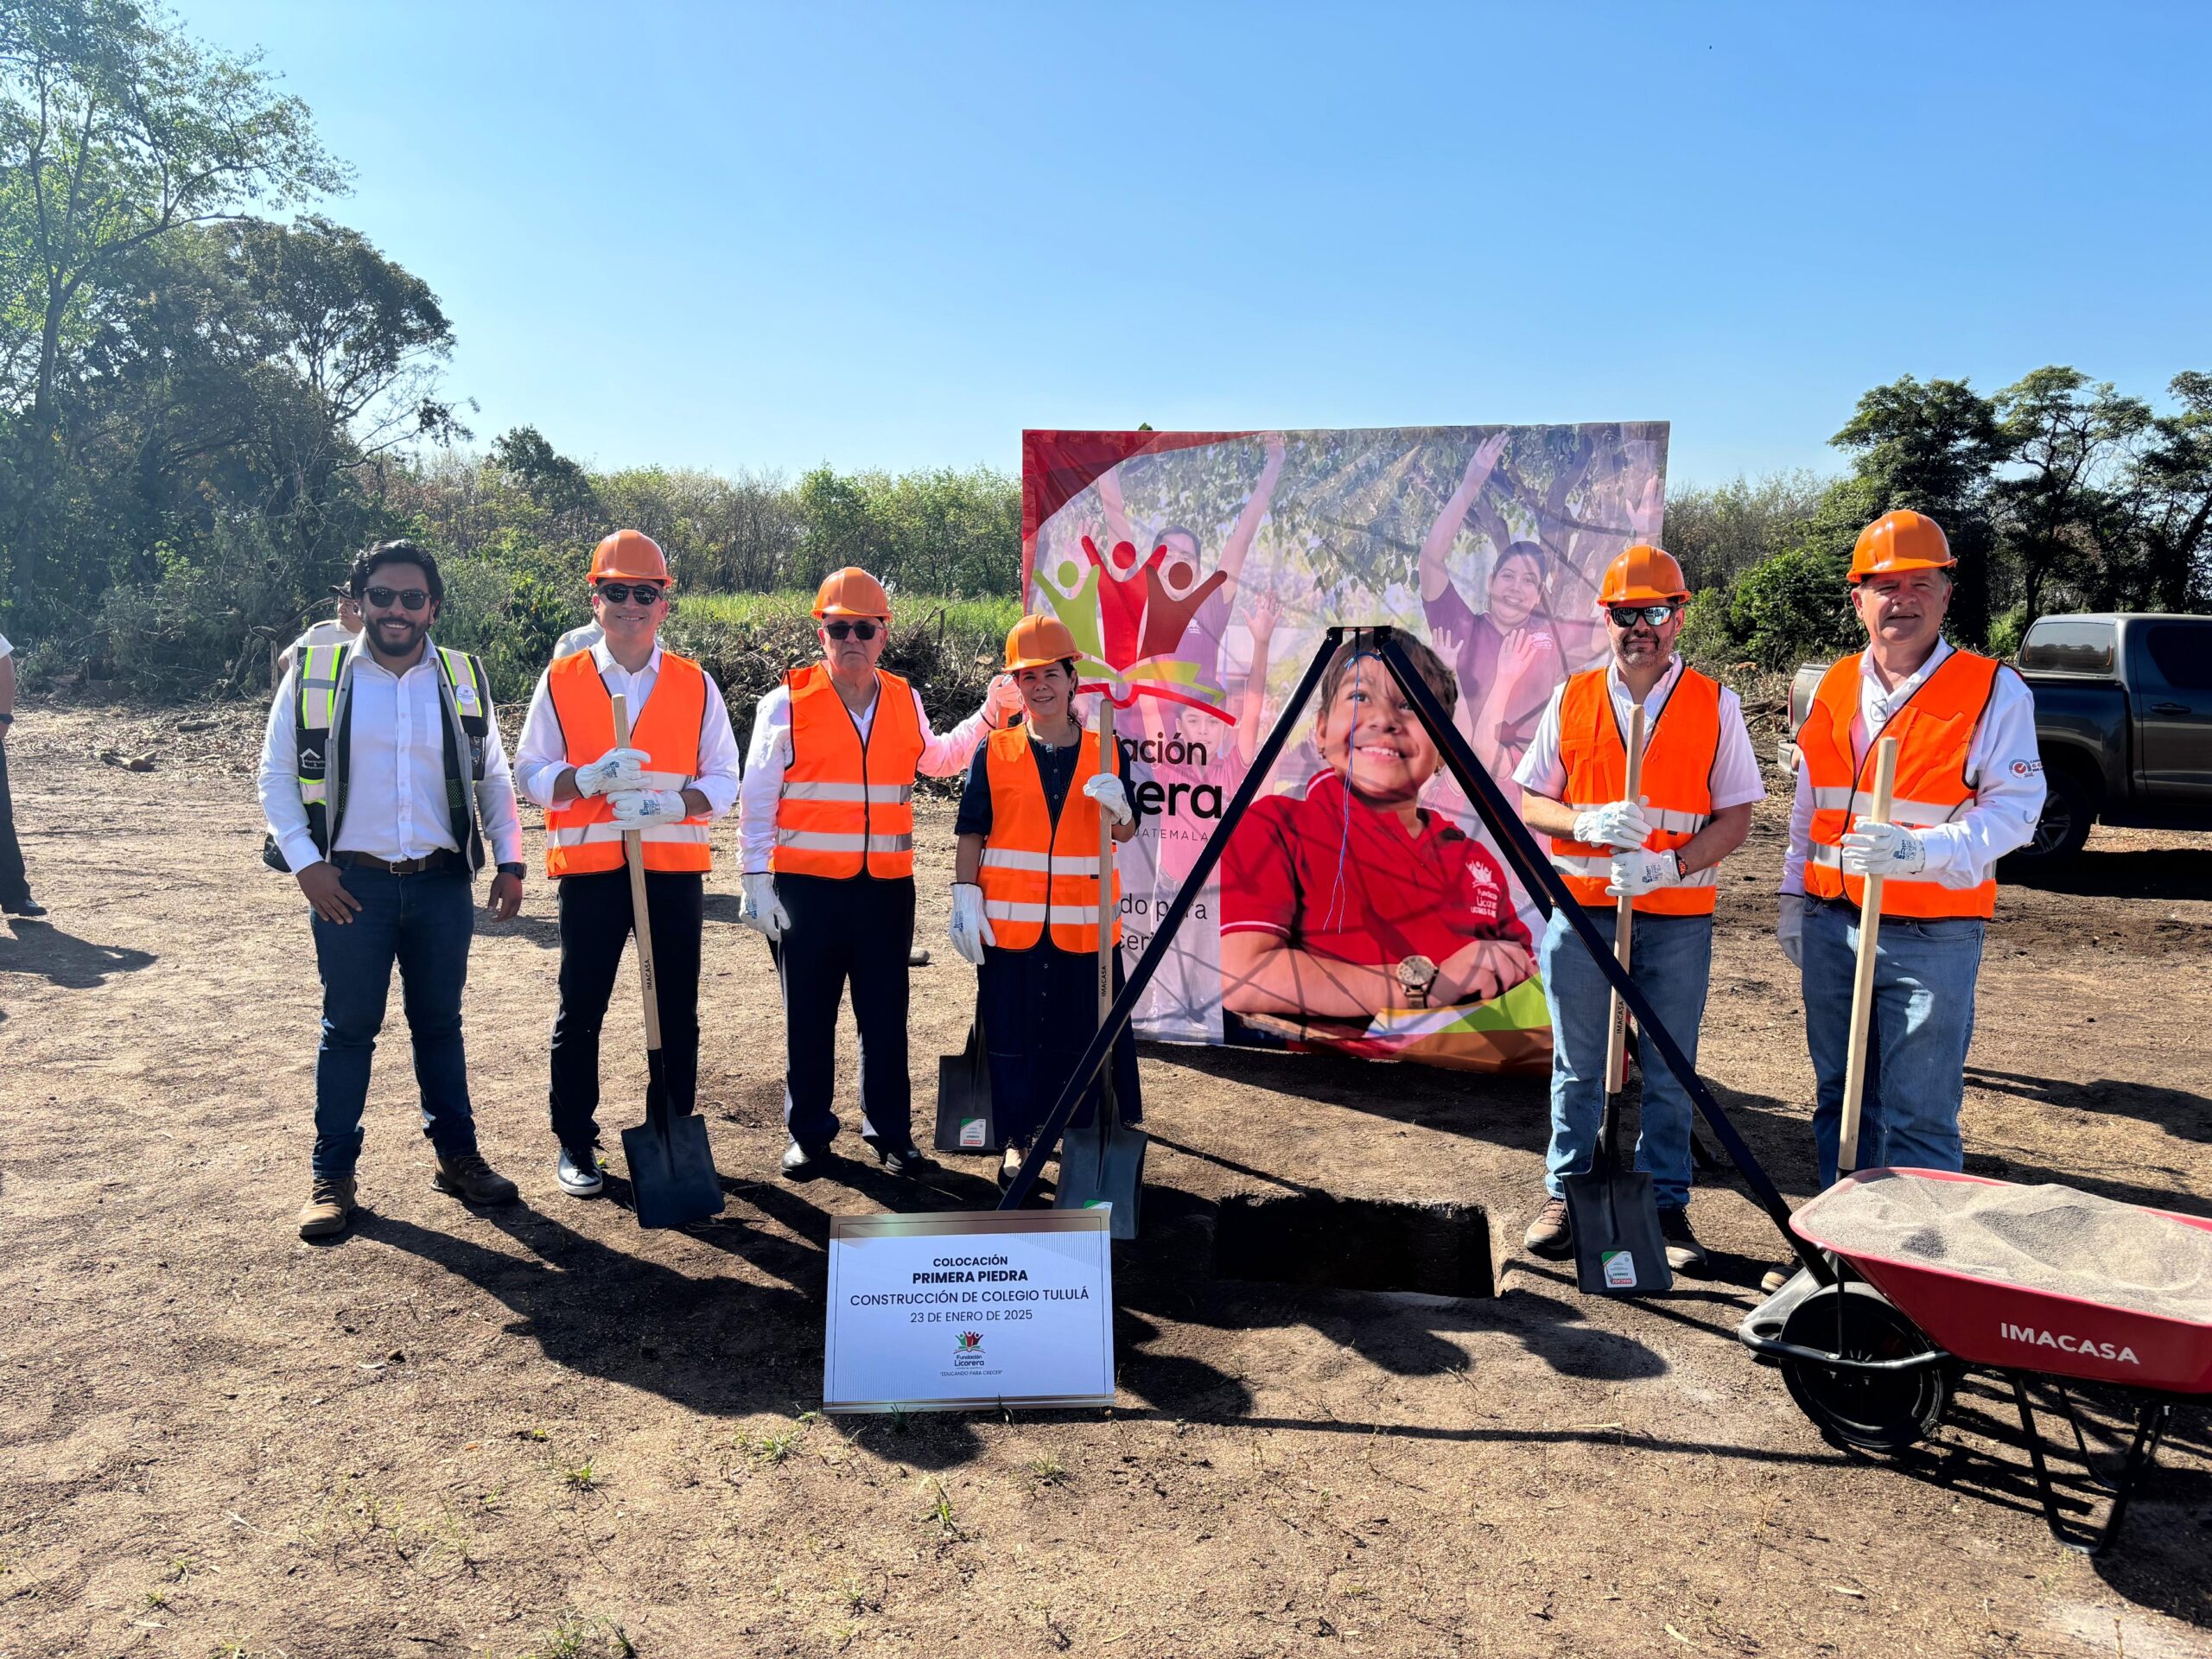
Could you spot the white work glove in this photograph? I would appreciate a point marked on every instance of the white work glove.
(1617, 823)
(1790, 929)
(760, 909)
(616, 769)
(1113, 800)
(1636, 872)
(636, 807)
(971, 929)
(1002, 703)
(1874, 849)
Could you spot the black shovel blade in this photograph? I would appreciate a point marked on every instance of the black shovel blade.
(964, 1122)
(1104, 1164)
(1618, 1249)
(671, 1169)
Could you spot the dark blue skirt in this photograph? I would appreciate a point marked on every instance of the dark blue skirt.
(1040, 1008)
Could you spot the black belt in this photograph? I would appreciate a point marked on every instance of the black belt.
(443, 859)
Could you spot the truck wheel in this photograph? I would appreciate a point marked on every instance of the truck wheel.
(2069, 808)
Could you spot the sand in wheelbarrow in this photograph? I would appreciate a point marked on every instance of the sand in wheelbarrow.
(2046, 1238)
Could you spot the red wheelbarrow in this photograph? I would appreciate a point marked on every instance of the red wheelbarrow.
(1874, 1356)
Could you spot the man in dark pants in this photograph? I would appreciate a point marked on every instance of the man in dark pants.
(381, 778)
(15, 883)
(827, 830)
(677, 771)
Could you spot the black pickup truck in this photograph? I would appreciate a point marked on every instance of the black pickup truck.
(2123, 718)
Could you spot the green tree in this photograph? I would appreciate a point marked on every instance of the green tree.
(1934, 448)
(115, 132)
(2068, 442)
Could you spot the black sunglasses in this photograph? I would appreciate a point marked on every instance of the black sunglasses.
(1627, 616)
(622, 592)
(413, 598)
(862, 631)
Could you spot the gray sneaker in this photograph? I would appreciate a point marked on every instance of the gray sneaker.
(1552, 1233)
(579, 1175)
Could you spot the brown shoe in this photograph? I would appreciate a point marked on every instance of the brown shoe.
(468, 1177)
(1552, 1233)
(1684, 1254)
(329, 1206)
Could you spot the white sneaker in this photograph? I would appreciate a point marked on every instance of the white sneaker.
(580, 1176)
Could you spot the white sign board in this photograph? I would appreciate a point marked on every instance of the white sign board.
(969, 1308)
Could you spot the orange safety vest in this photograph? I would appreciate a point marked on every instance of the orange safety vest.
(847, 803)
(1035, 869)
(1678, 750)
(581, 836)
(1934, 728)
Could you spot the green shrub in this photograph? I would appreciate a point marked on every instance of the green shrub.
(2004, 631)
(1792, 606)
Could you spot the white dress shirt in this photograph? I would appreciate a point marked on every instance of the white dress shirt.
(5, 648)
(395, 771)
(1736, 777)
(542, 755)
(769, 755)
(2004, 766)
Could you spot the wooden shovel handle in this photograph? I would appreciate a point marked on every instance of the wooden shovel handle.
(1106, 768)
(633, 852)
(1624, 926)
(1862, 981)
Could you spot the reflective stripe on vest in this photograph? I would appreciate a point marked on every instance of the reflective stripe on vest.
(1037, 872)
(1680, 748)
(1934, 728)
(467, 698)
(582, 836)
(847, 804)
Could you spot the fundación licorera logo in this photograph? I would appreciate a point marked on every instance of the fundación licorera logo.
(968, 1342)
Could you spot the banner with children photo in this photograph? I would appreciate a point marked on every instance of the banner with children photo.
(1358, 906)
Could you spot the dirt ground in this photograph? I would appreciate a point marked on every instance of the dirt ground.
(540, 1430)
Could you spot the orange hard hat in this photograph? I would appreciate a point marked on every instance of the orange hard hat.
(1038, 641)
(1644, 575)
(852, 592)
(629, 553)
(1902, 540)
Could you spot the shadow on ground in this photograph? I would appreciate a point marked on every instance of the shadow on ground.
(73, 963)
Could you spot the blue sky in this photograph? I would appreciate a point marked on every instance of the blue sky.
(727, 235)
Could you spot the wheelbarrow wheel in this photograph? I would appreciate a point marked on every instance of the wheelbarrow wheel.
(1866, 1411)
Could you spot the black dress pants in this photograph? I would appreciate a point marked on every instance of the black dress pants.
(596, 920)
(15, 883)
(855, 931)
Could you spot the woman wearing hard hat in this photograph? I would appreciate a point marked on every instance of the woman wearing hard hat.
(826, 827)
(1025, 898)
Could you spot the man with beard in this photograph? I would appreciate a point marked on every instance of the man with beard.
(382, 778)
(1661, 850)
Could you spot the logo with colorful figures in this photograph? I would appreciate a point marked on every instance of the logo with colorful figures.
(1128, 614)
(967, 1342)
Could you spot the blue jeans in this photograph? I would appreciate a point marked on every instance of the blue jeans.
(1670, 959)
(1924, 976)
(423, 923)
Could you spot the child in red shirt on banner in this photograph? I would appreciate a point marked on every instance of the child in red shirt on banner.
(1348, 899)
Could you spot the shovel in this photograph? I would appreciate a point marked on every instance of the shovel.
(671, 1167)
(1862, 983)
(1615, 1214)
(964, 1122)
(1104, 1164)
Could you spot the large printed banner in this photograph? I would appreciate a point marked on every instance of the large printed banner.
(1358, 905)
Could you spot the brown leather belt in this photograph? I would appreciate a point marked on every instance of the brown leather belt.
(443, 859)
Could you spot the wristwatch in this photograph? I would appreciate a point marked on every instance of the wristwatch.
(1415, 974)
(1681, 874)
(515, 870)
